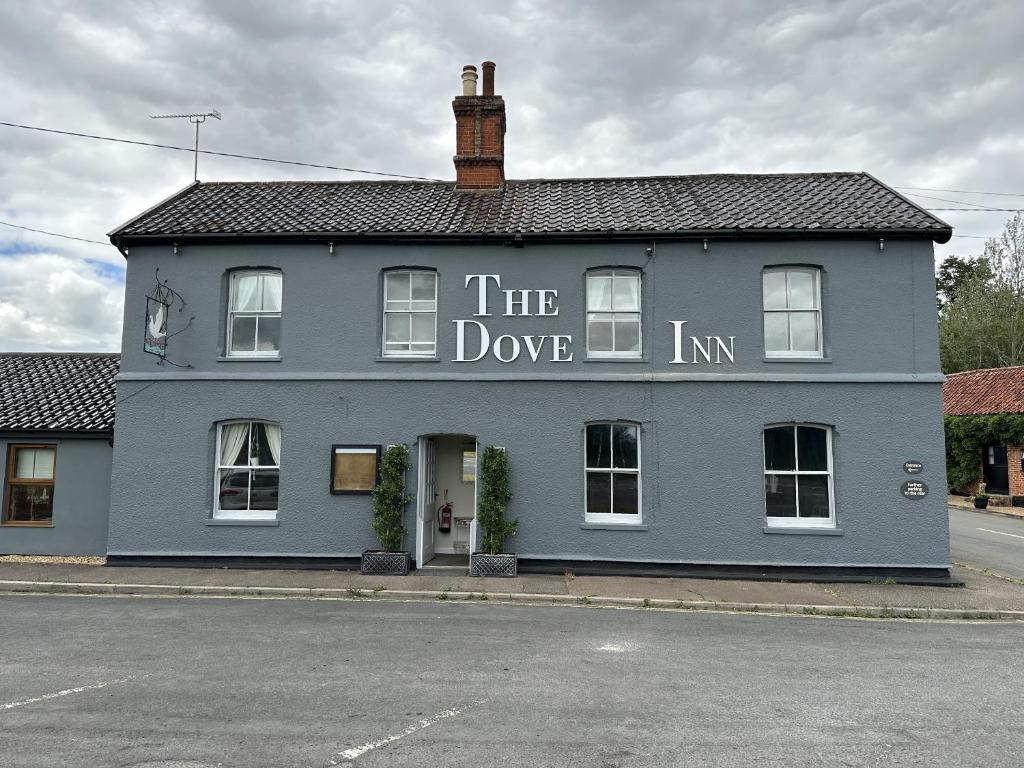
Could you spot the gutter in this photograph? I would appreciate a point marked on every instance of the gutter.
(521, 238)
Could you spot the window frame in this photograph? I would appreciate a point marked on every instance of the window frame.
(407, 353)
(241, 514)
(10, 481)
(613, 272)
(255, 354)
(613, 518)
(818, 310)
(829, 472)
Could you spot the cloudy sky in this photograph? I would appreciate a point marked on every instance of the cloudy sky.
(922, 93)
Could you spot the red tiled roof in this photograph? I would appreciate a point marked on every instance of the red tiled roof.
(990, 390)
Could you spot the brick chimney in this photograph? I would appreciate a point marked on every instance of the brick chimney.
(479, 132)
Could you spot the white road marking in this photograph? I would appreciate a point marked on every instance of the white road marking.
(987, 530)
(58, 694)
(354, 752)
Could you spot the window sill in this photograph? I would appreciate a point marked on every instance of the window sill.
(410, 359)
(768, 359)
(265, 522)
(810, 531)
(254, 359)
(616, 360)
(613, 526)
(24, 524)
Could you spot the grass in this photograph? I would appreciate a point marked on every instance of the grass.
(355, 592)
(444, 593)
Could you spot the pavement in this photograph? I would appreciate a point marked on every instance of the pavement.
(224, 683)
(984, 596)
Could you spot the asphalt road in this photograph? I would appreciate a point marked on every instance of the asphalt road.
(192, 683)
(988, 541)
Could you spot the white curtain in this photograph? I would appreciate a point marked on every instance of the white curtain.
(271, 293)
(273, 432)
(234, 437)
(245, 293)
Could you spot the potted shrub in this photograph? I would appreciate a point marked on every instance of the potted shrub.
(495, 495)
(389, 502)
(981, 500)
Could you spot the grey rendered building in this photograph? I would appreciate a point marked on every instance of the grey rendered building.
(685, 371)
(56, 437)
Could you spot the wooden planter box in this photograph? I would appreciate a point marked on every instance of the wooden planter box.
(503, 564)
(377, 563)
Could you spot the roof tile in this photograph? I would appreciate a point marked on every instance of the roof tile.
(990, 390)
(71, 392)
(827, 201)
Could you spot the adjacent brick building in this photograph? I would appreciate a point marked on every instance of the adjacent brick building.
(985, 392)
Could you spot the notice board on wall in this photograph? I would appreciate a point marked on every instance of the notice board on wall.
(354, 468)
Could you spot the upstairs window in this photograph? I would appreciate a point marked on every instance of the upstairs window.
(798, 476)
(613, 313)
(254, 314)
(792, 312)
(248, 470)
(612, 473)
(410, 313)
(30, 474)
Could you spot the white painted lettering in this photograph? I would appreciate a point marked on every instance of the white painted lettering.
(705, 351)
(560, 348)
(523, 302)
(460, 341)
(677, 344)
(532, 350)
(482, 292)
(546, 299)
(497, 348)
(720, 348)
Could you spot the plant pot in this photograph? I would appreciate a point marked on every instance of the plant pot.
(502, 564)
(378, 563)
(980, 503)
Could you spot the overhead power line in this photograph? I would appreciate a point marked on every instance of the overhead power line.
(965, 191)
(978, 210)
(218, 154)
(53, 234)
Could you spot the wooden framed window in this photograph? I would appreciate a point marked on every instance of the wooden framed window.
(792, 312)
(410, 313)
(613, 313)
(354, 468)
(28, 493)
(248, 470)
(798, 490)
(612, 473)
(254, 314)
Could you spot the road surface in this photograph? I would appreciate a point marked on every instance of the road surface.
(194, 683)
(989, 541)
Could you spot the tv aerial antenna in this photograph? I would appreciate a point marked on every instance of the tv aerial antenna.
(197, 119)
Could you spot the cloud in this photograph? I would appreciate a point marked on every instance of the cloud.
(50, 301)
(919, 92)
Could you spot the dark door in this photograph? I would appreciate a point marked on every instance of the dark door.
(997, 478)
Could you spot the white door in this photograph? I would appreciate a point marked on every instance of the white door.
(426, 501)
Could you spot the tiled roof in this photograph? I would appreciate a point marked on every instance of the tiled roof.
(727, 203)
(65, 392)
(991, 390)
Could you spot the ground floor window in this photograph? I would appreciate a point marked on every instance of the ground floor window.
(28, 499)
(612, 473)
(248, 470)
(798, 475)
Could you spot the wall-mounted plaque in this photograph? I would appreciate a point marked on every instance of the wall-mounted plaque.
(914, 489)
(913, 467)
(354, 468)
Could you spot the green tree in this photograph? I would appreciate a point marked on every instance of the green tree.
(495, 495)
(390, 498)
(954, 271)
(981, 323)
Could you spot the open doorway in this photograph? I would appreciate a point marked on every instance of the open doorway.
(446, 501)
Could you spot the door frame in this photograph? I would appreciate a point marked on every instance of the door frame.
(424, 509)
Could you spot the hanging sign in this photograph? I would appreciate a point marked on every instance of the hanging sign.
(155, 340)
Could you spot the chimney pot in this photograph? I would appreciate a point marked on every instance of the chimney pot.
(469, 80)
(488, 68)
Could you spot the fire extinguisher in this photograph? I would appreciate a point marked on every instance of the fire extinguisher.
(444, 518)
